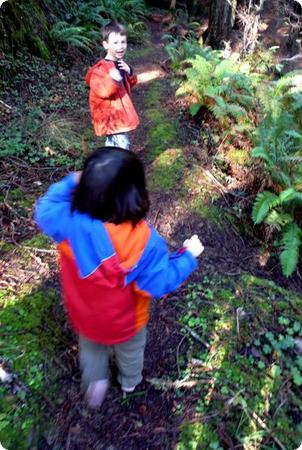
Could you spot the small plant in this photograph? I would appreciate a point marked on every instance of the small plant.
(279, 347)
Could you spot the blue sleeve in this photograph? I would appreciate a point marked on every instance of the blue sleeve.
(53, 209)
(158, 272)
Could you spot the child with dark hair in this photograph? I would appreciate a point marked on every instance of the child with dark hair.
(112, 263)
(110, 81)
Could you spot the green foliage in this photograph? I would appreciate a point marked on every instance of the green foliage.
(74, 36)
(279, 139)
(279, 213)
(265, 200)
(290, 242)
(36, 138)
(181, 49)
(240, 356)
(222, 86)
(278, 348)
(73, 22)
(123, 11)
(30, 339)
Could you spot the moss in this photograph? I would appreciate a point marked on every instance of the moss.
(142, 52)
(31, 335)
(5, 247)
(41, 48)
(38, 241)
(153, 96)
(197, 436)
(26, 25)
(239, 156)
(154, 115)
(161, 136)
(212, 213)
(20, 202)
(167, 169)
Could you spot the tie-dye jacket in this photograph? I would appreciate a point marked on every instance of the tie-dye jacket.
(109, 272)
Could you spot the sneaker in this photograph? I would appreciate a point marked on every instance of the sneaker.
(96, 393)
(128, 390)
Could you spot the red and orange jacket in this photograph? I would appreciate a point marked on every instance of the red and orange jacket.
(109, 272)
(110, 104)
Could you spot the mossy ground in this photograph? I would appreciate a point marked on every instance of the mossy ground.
(243, 374)
(32, 335)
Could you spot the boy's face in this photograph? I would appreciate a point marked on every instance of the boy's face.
(115, 46)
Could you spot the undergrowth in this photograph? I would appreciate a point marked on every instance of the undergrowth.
(242, 367)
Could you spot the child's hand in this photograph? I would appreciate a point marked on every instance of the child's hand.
(194, 246)
(115, 75)
(123, 66)
(77, 176)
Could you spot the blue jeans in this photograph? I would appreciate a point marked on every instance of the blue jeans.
(120, 140)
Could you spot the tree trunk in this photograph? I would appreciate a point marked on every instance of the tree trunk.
(221, 21)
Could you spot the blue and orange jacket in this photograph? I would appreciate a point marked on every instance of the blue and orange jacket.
(111, 108)
(109, 272)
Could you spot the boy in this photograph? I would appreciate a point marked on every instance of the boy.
(110, 81)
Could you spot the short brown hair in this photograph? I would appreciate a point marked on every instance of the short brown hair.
(113, 27)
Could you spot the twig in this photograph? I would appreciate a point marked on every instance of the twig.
(266, 428)
(196, 336)
(6, 106)
(155, 218)
(167, 384)
(293, 58)
(39, 250)
(177, 353)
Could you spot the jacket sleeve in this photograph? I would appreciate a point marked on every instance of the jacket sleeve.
(160, 273)
(53, 209)
(103, 85)
(132, 79)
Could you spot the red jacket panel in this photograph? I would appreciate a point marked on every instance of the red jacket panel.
(111, 108)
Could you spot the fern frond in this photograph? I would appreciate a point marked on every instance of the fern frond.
(236, 111)
(263, 203)
(294, 134)
(289, 195)
(71, 35)
(291, 241)
(277, 219)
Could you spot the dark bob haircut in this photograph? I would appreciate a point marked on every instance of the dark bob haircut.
(113, 27)
(112, 187)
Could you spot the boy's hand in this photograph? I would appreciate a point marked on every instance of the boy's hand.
(123, 66)
(194, 246)
(115, 75)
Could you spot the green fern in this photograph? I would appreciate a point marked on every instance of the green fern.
(74, 36)
(220, 80)
(263, 203)
(291, 241)
(277, 220)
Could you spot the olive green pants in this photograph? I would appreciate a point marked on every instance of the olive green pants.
(129, 358)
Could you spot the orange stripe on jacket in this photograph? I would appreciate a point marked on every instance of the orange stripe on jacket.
(129, 243)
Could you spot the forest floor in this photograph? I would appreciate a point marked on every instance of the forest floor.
(220, 357)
